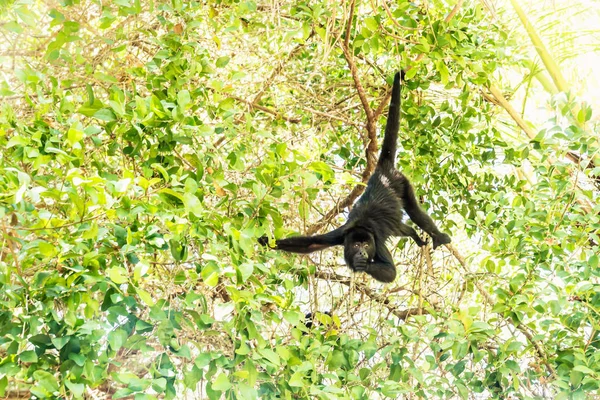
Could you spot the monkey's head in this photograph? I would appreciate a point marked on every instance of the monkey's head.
(359, 248)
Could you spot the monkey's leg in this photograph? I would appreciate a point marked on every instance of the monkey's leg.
(419, 217)
(405, 230)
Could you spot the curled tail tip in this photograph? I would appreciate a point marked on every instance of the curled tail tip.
(399, 76)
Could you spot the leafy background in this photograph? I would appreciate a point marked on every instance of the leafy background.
(146, 145)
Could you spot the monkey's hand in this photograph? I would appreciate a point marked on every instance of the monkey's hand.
(361, 265)
(263, 240)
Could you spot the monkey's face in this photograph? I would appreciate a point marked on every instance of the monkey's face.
(359, 250)
(363, 253)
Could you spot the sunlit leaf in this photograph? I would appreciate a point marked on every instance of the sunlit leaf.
(118, 275)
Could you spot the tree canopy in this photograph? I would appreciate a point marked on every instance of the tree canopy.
(146, 145)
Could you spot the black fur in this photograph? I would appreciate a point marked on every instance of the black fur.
(309, 319)
(377, 215)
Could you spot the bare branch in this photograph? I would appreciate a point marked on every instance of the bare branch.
(349, 25)
(266, 109)
(370, 140)
(379, 298)
(277, 70)
(454, 10)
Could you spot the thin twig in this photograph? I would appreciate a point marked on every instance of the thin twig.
(277, 70)
(266, 109)
(363, 289)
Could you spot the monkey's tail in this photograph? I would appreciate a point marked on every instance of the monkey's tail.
(388, 149)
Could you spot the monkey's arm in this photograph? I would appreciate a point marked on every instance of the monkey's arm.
(307, 244)
(382, 267)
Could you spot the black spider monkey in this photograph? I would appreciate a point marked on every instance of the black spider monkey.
(377, 215)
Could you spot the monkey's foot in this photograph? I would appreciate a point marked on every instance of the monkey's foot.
(442, 238)
(420, 242)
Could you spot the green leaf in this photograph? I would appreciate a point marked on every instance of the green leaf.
(490, 218)
(323, 169)
(202, 360)
(117, 274)
(193, 204)
(246, 270)
(46, 380)
(296, 380)
(90, 93)
(144, 396)
(358, 392)
(3, 385)
(585, 370)
(60, 341)
(13, 26)
(75, 133)
(192, 377)
(76, 389)
(221, 383)
(145, 296)
(46, 249)
(293, 317)
(17, 141)
(370, 348)
(183, 98)
(210, 274)
(269, 355)
(246, 391)
(28, 356)
(171, 192)
(443, 70)
(372, 24)
(105, 114)
(121, 393)
(178, 250)
(26, 16)
(117, 339)
(593, 261)
(227, 104)
(222, 62)
(336, 360)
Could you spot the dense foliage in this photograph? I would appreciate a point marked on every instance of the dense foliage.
(146, 145)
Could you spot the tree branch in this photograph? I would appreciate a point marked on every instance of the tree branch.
(381, 299)
(370, 140)
(266, 109)
(277, 70)
(253, 106)
(349, 25)
(372, 117)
